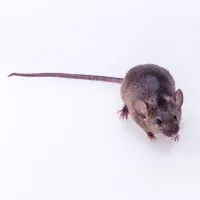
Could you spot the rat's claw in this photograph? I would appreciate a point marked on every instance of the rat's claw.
(176, 138)
(123, 113)
(151, 136)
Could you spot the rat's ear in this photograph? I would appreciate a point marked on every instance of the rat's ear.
(140, 107)
(178, 98)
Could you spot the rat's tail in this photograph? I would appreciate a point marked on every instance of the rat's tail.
(72, 76)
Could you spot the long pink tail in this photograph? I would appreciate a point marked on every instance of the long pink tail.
(71, 76)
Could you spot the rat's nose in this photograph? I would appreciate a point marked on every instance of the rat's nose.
(172, 134)
(171, 131)
(174, 130)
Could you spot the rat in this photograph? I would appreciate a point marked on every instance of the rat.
(149, 95)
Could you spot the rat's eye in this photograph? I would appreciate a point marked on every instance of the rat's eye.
(158, 121)
(175, 117)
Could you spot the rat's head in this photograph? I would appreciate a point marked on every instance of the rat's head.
(163, 117)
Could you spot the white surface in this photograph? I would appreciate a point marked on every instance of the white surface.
(61, 139)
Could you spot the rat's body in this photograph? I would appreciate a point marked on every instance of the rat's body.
(149, 96)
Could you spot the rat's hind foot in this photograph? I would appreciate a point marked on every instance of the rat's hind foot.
(151, 136)
(123, 113)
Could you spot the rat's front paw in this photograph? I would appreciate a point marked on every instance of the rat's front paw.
(176, 138)
(124, 113)
(151, 136)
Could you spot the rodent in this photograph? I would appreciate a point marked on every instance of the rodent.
(149, 96)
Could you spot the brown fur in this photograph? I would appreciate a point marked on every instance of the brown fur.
(149, 93)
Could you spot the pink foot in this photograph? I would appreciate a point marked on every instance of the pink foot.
(151, 136)
(123, 113)
(176, 138)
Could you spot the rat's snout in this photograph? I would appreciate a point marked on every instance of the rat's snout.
(171, 131)
(175, 130)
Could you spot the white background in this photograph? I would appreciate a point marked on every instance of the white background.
(62, 139)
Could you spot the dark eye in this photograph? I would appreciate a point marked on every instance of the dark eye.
(175, 117)
(158, 121)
